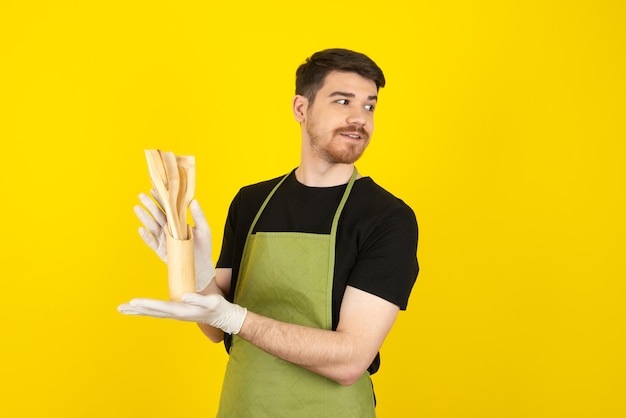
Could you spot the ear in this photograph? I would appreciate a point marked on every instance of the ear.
(299, 107)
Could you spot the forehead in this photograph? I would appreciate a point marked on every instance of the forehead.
(348, 82)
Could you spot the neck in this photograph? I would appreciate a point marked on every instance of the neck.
(324, 175)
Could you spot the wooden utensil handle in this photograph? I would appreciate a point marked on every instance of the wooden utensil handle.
(180, 265)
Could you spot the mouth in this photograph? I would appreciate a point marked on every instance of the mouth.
(355, 133)
(353, 136)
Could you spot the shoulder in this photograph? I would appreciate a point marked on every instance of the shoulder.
(256, 192)
(260, 187)
(378, 220)
(371, 201)
(246, 203)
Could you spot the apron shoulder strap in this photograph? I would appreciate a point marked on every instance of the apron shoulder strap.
(267, 199)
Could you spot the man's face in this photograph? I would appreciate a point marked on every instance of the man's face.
(339, 123)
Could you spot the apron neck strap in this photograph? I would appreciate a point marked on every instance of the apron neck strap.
(346, 193)
(337, 213)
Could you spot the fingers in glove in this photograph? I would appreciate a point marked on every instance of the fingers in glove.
(155, 211)
(128, 309)
(158, 246)
(151, 232)
(159, 305)
(198, 217)
(158, 199)
(168, 309)
(208, 301)
(148, 221)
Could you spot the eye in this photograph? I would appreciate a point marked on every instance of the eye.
(369, 107)
(343, 101)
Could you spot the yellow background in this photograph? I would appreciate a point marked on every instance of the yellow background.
(502, 126)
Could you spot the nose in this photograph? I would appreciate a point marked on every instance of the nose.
(357, 117)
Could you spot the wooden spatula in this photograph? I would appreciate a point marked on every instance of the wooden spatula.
(173, 186)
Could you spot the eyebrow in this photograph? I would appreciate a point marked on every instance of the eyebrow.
(350, 95)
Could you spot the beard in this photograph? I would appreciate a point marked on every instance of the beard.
(335, 150)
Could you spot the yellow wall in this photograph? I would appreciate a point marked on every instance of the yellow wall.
(502, 125)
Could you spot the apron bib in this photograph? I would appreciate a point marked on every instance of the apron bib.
(288, 276)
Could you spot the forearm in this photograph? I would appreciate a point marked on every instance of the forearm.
(339, 355)
(342, 355)
(216, 335)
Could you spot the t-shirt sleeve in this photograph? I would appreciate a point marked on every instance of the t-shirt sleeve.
(387, 263)
(227, 253)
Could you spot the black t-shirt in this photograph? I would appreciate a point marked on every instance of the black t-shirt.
(376, 242)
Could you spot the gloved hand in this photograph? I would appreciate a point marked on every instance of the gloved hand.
(213, 310)
(153, 233)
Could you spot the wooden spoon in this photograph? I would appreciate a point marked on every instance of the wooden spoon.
(187, 171)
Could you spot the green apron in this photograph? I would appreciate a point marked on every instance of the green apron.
(288, 276)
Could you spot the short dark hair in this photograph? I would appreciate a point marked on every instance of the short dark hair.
(310, 75)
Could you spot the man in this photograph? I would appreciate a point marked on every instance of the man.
(314, 266)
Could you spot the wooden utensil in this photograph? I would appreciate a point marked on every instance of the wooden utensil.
(159, 180)
(182, 211)
(157, 172)
(187, 171)
(173, 185)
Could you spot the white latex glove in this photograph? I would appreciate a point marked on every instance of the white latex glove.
(213, 310)
(153, 233)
